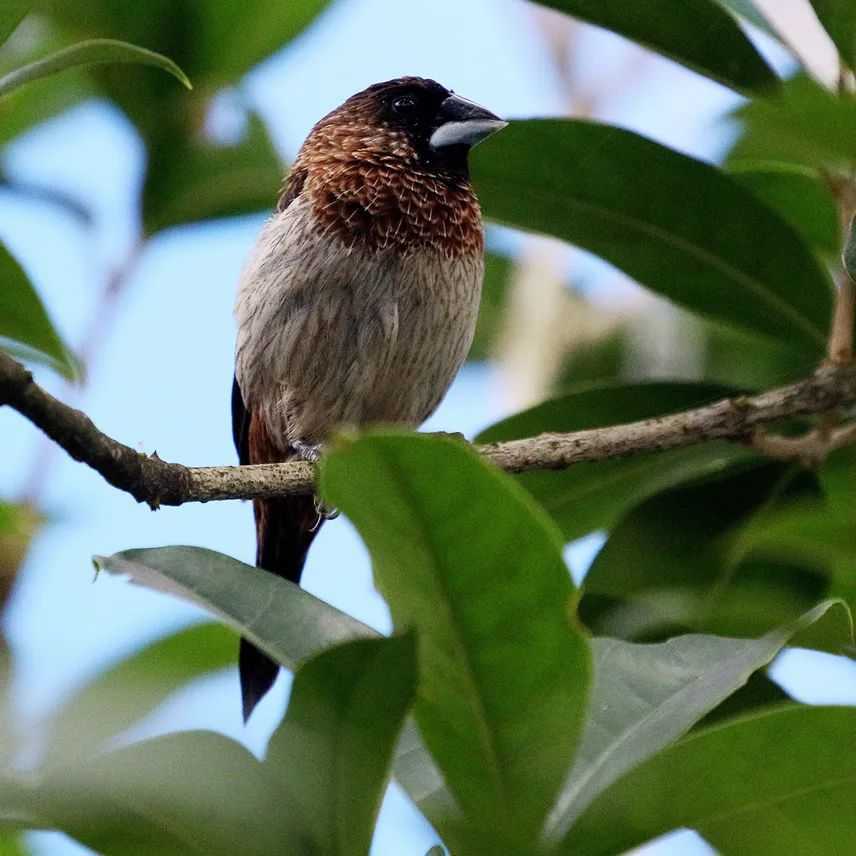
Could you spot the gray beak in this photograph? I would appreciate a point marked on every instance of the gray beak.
(463, 123)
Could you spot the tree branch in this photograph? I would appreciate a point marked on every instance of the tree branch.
(149, 479)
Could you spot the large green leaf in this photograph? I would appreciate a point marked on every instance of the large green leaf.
(92, 52)
(647, 696)
(669, 564)
(839, 19)
(593, 496)
(803, 123)
(697, 33)
(128, 691)
(677, 225)
(188, 181)
(801, 198)
(23, 318)
(278, 616)
(780, 782)
(468, 560)
(191, 792)
(331, 754)
(11, 14)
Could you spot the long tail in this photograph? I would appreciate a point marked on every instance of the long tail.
(284, 530)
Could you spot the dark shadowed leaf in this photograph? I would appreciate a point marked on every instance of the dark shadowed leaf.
(669, 563)
(92, 52)
(12, 13)
(23, 318)
(332, 752)
(201, 180)
(803, 123)
(647, 696)
(697, 33)
(799, 196)
(778, 782)
(625, 198)
(593, 496)
(125, 693)
(839, 20)
(190, 792)
(468, 560)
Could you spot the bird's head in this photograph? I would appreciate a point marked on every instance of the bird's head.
(410, 119)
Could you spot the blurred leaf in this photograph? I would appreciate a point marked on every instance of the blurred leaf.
(467, 559)
(760, 691)
(849, 254)
(799, 196)
(669, 562)
(750, 361)
(198, 180)
(190, 792)
(493, 307)
(728, 257)
(11, 14)
(779, 782)
(18, 525)
(264, 27)
(12, 844)
(646, 696)
(747, 9)
(333, 749)
(93, 52)
(128, 691)
(696, 33)
(67, 203)
(802, 123)
(23, 317)
(839, 20)
(591, 496)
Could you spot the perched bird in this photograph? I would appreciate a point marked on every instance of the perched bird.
(359, 301)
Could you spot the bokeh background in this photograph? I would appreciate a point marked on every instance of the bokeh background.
(153, 323)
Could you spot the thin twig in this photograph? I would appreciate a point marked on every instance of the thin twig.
(149, 479)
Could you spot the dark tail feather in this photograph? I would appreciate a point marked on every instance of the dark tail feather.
(284, 530)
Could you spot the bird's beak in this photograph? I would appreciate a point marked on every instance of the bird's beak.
(463, 123)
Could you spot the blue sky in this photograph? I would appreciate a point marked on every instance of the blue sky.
(162, 376)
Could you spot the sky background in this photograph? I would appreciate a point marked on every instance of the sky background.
(162, 375)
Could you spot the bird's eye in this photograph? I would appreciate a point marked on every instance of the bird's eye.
(403, 105)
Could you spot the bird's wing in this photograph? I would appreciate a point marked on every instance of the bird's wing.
(240, 424)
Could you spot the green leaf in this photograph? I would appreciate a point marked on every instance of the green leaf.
(333, 749)
(803, 123)
(23, 318)
(191, 792)
(463, 556)
(747, 9)
(11, 14)
(128, 691)
(287, 622)
(189, 181)
(839, 20)
(592, 496)
(669, 563)
(696, 33)
(92, 52)
(281, 618)
(647, 696)
(493, 307)
(624, 198)
(780, 782)
(799, 196)
(265, 28)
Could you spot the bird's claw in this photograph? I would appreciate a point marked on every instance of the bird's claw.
(324, 512)
(310, 452)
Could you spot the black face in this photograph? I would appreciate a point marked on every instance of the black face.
(414, 105)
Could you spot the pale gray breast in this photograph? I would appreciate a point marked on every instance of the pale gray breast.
(328, 336)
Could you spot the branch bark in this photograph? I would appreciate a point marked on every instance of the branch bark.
(149, 479)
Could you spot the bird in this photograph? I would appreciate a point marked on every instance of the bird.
(358, 303)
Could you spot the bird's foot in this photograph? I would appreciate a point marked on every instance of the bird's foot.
(310, 452)
(324, 512)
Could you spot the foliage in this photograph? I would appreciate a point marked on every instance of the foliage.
(521, 714)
